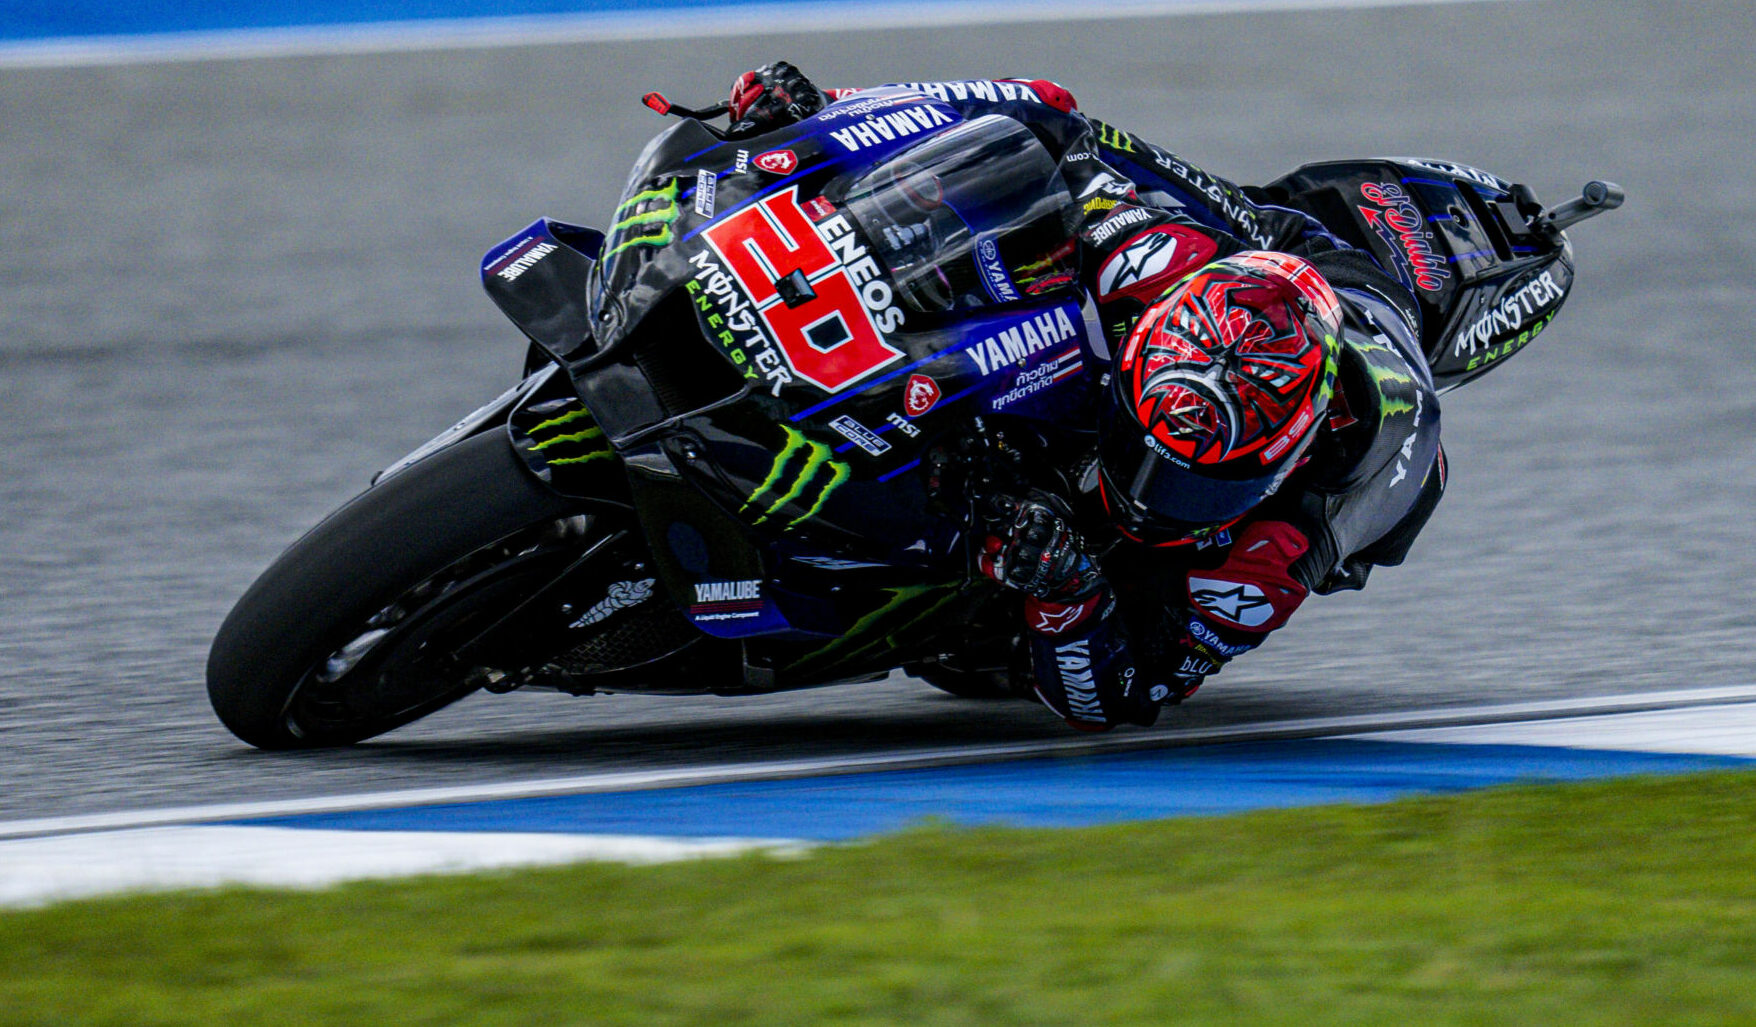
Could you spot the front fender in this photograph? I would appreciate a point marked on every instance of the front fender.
(495, 411)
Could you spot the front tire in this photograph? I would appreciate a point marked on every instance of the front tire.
(331, 644)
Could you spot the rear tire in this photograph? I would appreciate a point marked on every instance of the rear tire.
(967, 684)
(330, 645)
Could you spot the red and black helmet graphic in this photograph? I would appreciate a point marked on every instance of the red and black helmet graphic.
(1214, 396)
(1230, 370)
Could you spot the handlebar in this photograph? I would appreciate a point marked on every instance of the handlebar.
(658, 103)
(1597, 197)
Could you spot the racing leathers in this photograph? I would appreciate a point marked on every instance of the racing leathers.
(1120, 622)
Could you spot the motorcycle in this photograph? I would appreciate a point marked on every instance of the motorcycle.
(761, 412)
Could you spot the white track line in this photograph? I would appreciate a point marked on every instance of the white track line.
(753, 19)
(637, 780)
(1702, 730)
(38, 871)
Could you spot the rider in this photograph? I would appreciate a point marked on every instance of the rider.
(1269, 430)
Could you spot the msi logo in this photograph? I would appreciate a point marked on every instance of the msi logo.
(780, 162)
(919, 394)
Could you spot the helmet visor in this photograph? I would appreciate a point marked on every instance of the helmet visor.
(1147, 491)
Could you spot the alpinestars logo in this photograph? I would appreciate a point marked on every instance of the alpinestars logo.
(1232, 602)
(1143, 258)
(1047, 618)
(1151, 262)
(810, 475)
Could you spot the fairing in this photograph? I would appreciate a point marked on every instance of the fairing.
(1461, 240)
(777, 338)
(784, 328)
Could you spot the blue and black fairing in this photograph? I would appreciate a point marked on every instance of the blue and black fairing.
(538, 279)
(1468, 245)
(954, 231)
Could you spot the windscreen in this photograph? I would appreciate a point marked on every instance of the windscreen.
(979, 214)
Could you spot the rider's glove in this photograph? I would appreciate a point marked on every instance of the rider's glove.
(1034, 550)
(771, 96)
(1197, 650)
(1084, 670)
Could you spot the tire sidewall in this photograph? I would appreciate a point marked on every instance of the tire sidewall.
(322, 589)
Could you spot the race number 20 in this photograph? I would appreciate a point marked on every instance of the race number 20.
(803, 292)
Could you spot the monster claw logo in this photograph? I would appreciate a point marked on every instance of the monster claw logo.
(644, 219)
(817, 477)
(908, 607)
(569, 438)
(1114, 138)
(1385, 365)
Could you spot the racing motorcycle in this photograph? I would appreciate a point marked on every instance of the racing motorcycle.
(761, 410)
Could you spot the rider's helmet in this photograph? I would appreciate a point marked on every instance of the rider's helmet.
(1215, 396)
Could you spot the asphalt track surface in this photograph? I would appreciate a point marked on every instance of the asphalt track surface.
(235, 289)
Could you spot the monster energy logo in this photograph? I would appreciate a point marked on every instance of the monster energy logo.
(572, 429)
(1114, 138)
(1380, 374)
(1326, 386)
(807, 477)
(908, 606)
(649, 215)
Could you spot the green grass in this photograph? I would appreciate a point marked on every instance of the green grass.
(1622, 902)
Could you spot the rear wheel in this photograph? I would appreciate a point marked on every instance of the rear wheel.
(353, 630)
(968, 684)
(994, 663)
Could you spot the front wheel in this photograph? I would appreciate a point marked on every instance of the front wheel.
(353, 630)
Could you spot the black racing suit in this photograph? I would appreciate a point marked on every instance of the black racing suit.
(1157, 619)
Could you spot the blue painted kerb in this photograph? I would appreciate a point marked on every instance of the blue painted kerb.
(1044, 792)
(38, 19)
